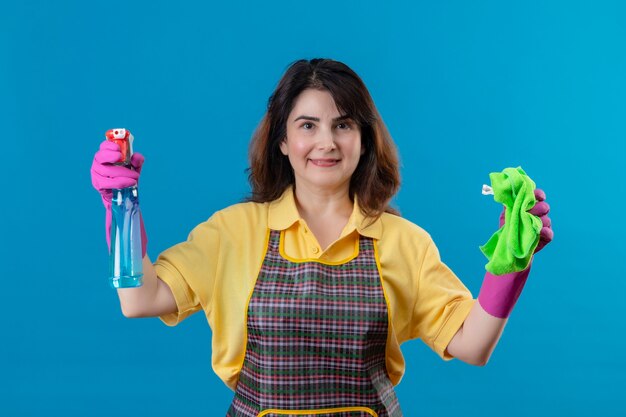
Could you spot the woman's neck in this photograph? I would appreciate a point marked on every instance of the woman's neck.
(326, 213)
(319, 203)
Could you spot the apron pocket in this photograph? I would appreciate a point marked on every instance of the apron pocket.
(325, 412)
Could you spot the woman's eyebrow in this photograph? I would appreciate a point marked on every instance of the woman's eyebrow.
(317, 119)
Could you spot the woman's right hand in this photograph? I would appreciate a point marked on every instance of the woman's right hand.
(154, 297)
(106, 176)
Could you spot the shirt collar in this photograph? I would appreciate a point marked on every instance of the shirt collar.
(283, 213)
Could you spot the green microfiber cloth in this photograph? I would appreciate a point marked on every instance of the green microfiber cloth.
(511, 247)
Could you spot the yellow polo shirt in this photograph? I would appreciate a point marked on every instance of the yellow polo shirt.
(216, 268)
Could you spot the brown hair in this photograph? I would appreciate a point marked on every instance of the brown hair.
(376, 178)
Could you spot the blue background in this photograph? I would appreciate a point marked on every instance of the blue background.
(466, 88)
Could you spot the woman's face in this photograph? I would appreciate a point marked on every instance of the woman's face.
(323, 146)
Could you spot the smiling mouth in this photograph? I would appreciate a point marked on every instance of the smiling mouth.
(324, 162)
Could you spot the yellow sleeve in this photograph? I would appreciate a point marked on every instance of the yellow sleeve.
(443, 302)
(189, 269)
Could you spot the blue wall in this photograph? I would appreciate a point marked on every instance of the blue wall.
(466, 88)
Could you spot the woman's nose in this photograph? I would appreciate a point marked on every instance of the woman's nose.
(326, 141)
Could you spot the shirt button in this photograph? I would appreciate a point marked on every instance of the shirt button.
(315, 250)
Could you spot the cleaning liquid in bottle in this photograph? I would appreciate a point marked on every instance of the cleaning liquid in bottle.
(125, 260)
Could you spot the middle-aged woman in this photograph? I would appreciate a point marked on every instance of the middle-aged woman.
(311, 286)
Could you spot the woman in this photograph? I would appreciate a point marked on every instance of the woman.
(311, 286)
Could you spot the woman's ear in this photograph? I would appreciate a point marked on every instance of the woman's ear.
(283, 146)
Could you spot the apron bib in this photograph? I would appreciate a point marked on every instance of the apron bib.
(316, 340)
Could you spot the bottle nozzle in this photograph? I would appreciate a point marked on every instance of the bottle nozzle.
(124, 139)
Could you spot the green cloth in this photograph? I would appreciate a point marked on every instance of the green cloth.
(511, 247)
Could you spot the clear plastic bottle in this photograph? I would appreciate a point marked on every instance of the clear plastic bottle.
(125, 260)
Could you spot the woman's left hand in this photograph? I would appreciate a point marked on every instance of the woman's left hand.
(541, 210)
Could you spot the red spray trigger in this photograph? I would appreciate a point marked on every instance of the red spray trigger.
(124, 139)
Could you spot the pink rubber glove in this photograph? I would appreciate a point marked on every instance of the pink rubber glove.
(499, 293)
(106, 176)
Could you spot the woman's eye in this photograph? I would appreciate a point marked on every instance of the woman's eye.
(343, 126)
(307, 126)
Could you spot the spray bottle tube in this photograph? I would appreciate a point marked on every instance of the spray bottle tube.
(125, 260)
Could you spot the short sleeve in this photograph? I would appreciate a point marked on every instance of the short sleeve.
(189, 269)
(443, 302)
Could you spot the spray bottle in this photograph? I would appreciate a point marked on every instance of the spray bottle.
(125, 260)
